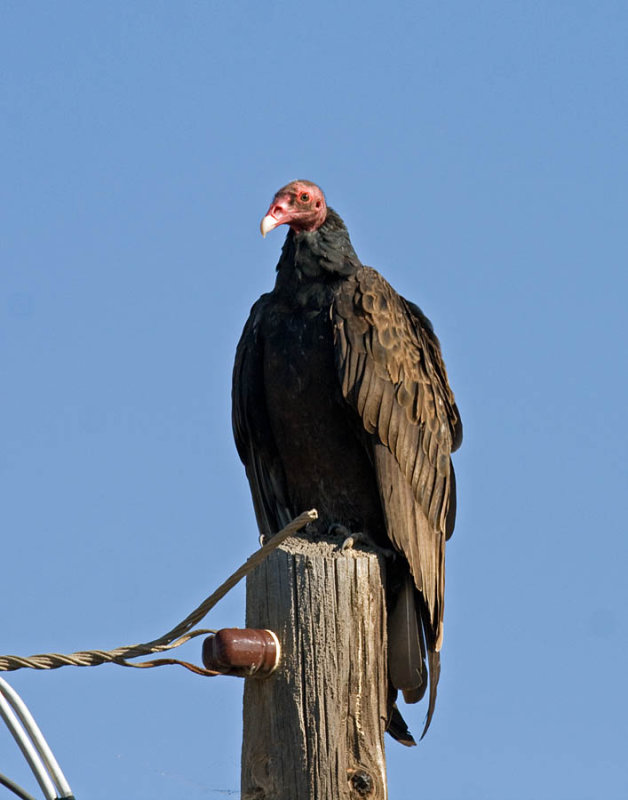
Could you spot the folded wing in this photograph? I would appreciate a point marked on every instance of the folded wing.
(392, 373)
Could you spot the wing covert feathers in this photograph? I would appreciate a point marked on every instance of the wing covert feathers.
(392, 372)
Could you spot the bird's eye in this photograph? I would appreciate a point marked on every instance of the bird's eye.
(304, 197)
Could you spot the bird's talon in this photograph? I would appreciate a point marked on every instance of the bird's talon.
(356, 538)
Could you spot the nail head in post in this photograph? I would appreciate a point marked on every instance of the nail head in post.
(244, 652)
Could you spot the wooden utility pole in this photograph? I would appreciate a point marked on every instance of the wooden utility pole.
(314, 730)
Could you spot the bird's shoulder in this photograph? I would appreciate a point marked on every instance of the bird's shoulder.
(397, 341)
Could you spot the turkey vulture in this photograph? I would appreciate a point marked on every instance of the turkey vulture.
(341, 401)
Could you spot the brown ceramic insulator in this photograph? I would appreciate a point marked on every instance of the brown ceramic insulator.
(245, 652)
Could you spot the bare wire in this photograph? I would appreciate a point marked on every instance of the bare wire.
(28, 750)
(37, 738)
(15, 788)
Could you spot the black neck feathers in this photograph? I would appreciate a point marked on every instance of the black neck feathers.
(325, 255)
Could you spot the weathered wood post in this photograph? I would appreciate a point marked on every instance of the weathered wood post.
(314, 730)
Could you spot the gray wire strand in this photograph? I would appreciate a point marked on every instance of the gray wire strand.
(29, 751)
(37, 738)
(15, 788)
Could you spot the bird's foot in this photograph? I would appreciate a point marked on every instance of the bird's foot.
(353, 538)
(357, 537)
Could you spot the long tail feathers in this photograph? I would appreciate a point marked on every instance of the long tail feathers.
(397, 728)
(433, 659)
(406, 667)
(406, 661)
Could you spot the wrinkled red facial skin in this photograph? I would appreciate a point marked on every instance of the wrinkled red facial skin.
(300, 204)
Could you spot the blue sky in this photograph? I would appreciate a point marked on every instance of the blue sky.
(478, 154)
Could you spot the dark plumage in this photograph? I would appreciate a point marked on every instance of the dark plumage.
(341, 402)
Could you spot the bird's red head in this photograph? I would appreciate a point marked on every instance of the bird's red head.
(300, 204)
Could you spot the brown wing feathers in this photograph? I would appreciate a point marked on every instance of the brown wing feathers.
(392, 372)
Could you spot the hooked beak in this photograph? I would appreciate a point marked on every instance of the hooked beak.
(268, 223)
(277, 214)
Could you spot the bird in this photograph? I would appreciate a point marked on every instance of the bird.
(341, 401)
